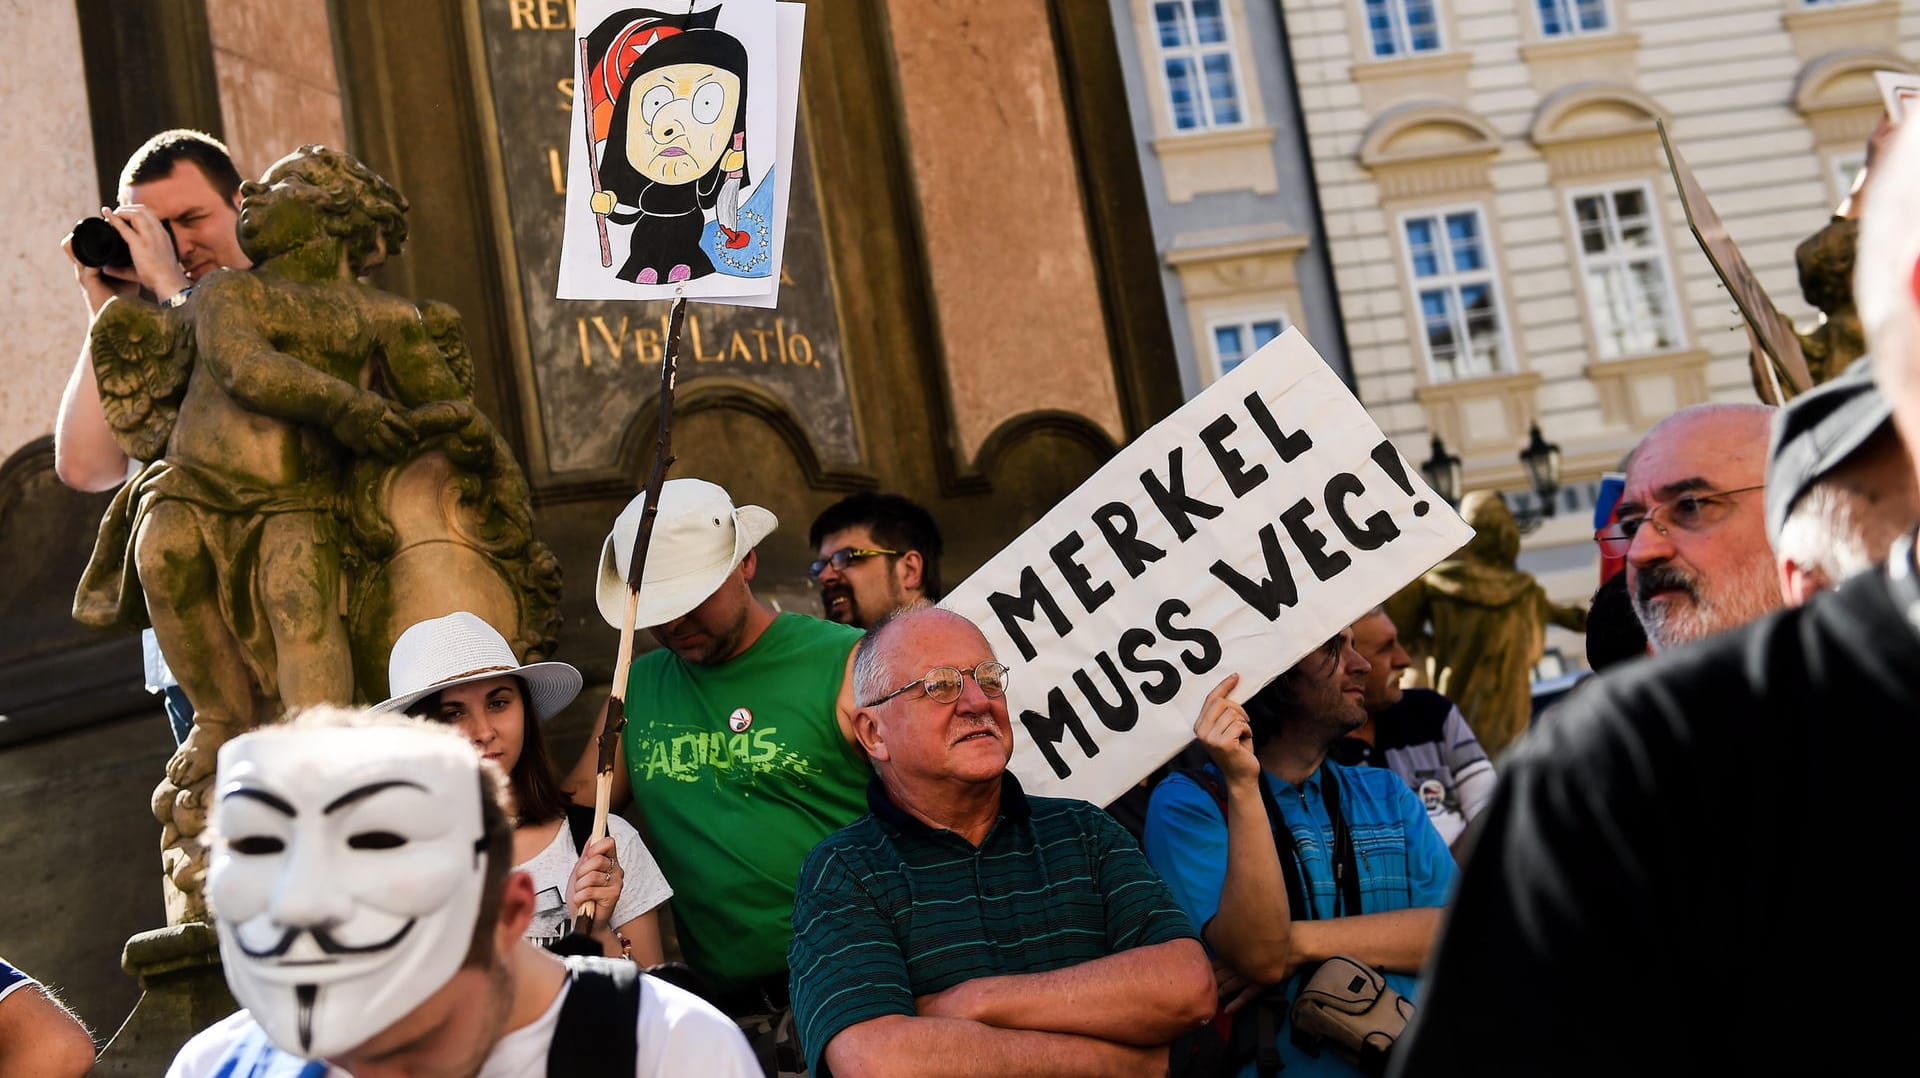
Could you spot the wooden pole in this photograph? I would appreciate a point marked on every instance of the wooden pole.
(593, 166)
(614, 721)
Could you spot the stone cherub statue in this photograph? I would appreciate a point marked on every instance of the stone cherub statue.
(1488, 622)
(1825, 264)
(320, 480)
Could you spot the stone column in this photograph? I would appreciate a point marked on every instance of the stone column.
(48, 175)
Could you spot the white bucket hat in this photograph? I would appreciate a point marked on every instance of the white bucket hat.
(698, 537)
(443, 652)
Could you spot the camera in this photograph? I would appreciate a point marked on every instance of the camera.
(97, 244)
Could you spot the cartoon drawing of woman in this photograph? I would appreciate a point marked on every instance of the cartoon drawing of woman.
(675, 134)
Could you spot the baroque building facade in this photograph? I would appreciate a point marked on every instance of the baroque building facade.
(1506, 242)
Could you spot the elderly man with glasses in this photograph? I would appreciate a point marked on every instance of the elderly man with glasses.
(1692, 524)
(962, 926)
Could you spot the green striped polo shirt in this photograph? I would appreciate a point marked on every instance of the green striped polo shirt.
(889, 908)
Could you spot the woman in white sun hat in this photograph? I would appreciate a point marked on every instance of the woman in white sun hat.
(459, 670)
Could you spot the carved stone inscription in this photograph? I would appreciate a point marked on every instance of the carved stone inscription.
(595, 364)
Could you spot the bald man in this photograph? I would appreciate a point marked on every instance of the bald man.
(1693, 523)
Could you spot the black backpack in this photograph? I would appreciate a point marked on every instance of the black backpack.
(596, 1031)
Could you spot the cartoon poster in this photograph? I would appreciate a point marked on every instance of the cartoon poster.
(683, 124)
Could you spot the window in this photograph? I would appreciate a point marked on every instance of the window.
(1625, 266)
(1564, 18)
(1202, 88)
(1459, 299)
(1403, 27)
(1233, 342)
(1846, 169)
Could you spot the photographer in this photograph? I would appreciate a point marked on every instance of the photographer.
(177, 222)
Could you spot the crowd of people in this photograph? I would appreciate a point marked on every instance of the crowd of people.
(1334, 878)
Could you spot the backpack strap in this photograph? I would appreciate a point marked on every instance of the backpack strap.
(596, 1031)
(580, 826)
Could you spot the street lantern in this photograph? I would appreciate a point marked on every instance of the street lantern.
(1443, 473)
(1542, 461)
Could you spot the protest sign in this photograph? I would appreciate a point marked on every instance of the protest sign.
(682, 145)
(1235, 536)
(1899, 91)
(1772, 333)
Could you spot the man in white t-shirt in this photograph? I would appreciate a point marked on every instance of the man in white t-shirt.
(361, 870)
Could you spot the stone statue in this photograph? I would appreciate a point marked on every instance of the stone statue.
(1488, 624)
(1825, 260)
(320, 480)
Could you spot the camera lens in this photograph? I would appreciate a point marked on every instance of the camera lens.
(96, 244)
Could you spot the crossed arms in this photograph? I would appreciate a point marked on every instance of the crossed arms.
(1111, 1015)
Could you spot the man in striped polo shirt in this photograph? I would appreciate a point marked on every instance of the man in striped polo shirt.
(961, 922)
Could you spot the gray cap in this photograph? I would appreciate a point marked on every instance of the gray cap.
(1816, 432)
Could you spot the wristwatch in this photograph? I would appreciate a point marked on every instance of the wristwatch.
(178, 299)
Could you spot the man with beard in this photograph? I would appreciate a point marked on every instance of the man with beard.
(1692, 523)
(1676, 870)
(371, 923)
(1285, 858)
(964, 927)
(878, 553)
(1417, 734)
(739, 747)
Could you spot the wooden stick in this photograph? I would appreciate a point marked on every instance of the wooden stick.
(614, 719)
(593, 167)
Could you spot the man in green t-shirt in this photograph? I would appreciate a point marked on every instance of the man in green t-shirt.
(739, 747)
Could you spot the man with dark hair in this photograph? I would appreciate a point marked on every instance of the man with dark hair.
(877, 553)
(1286, 858)
(962, 924)
(1614, 632)
(179, 212)
(368, 917)
(1417, 734)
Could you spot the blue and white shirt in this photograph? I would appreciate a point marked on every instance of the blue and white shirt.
(1403, 864)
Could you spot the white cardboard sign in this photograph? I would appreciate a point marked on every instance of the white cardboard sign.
(1235, 536)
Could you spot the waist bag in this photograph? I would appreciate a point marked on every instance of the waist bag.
(1348, 1006)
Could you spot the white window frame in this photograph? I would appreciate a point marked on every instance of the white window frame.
(1197, 53)
(1676, 324)
(1403, 32)
(1507, 358)
(1243, 322)
(1572, 20)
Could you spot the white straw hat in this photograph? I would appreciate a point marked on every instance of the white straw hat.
(698, 537)
(443, 652)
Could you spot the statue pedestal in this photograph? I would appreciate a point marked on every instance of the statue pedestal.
(183, 992)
